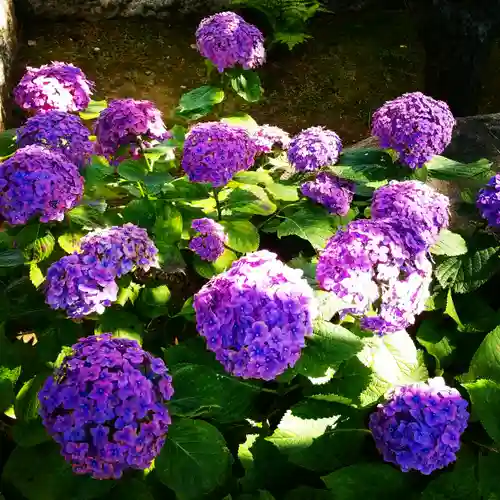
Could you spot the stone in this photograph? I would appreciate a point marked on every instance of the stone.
(7, 48)
(92, 9)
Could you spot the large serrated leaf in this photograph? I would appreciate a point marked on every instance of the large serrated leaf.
(443, 168)
(242, 235)
(449, 244)
(250, 199)
(486, 360)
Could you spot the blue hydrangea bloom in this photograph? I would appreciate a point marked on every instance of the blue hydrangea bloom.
(209, 245)
(58, 131)
(333, 193)
(419, 426)
(104, 406)
(268, 137)
(256, 315)
(314, 148)
(488, 201)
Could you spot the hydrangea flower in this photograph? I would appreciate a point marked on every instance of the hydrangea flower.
(425, 209)
(121, 248)
(209, 245)
(256, 315)
(56, 86)
(416, 126)
(104, 406)
(313, 148)
(267, 137)
(488, 201)
(333, 193)
(80, 285)
(369, 266)
(35, 181)
(58, 131)
(126, 120)
(214, 152)
(420, 425)
(228, 40)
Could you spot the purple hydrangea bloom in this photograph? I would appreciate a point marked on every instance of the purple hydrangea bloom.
(209, 245)
(59, 131)
(121, 248)
(56, 86)
(228, 40)
(420, 425)
(314, 148)
(104, 406)
(214, 152)
(333, 193)
(80, 285)
(35, 181)
(416, 126)
(267, 137)
(425, 209)
(256, 315)
(369, 266)
(126, 120)
(488, 201)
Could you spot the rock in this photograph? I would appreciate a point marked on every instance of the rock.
(7, 46)
(92, 9)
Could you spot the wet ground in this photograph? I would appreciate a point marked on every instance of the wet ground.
(353, 63)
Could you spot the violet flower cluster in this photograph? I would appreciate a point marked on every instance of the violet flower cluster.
(268, 137)
(314, 148)
(121, 248)
(58, 131)
(37, 182)
(424, 209)
(420, 425)
(256, 315)
(214, 152)
(328, 190)
(228, 40)
(104, 406)
(209, 244)
(85, 283)
(370, 267)
(56, 86)
(127, 122)
(488, 201)
(416, 126)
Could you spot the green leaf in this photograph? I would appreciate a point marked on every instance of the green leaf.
(246, 84)
(183, 189)
(375, 481)
(133, 170)
(168, 225)
(191, 351)
(121, 324)
(30, 433)
(194, 460)
(449, 244)
(202, 392)
(283, 192)
(443, 168)
(41, 248)
(486, 361)
(459, 483)
(93, 110)
(488, 468)
(242, 235)
(451, 311)
(11, 258)
(241, 120)
(170, 257)
(437, 341)
(154, 301)
(254, 177)
(209, 269)
(140, 212)
(309, 223)
(128, 291)
(308, 493)
(7, 142)
(466, 273)
(27, 404)
(250, 199)
(36, 275)
(202, 98)
(85, 215)
(8, 378)
(131, 489)
(41, 473)
(70, 242)
(328, 303)
(327, 348)
(291, 39)
(485, 398)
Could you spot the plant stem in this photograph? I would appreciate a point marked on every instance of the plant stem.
(217, 204)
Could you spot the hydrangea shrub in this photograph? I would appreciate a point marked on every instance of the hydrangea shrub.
(328, 322)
